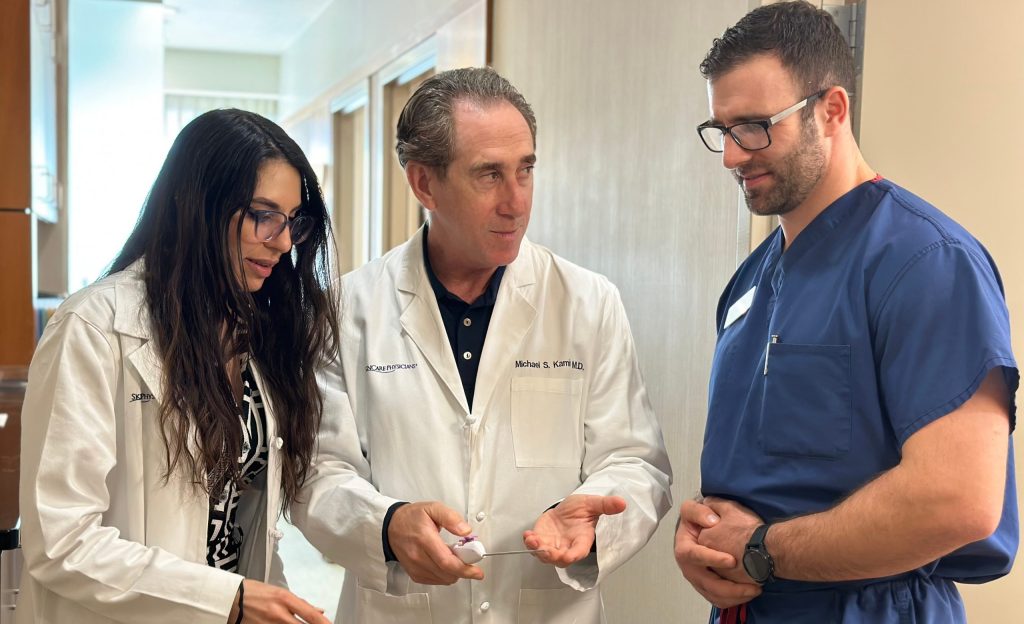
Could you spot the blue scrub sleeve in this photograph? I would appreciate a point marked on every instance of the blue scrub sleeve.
(941, 327)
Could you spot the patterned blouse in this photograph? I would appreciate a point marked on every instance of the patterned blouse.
(224, 537)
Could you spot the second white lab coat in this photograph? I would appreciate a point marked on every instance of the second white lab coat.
(560, 408)
(105, 538)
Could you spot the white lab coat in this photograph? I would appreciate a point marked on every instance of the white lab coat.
(105, 539)
(560, 408)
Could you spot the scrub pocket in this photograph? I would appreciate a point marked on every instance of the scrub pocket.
(807, 408)
(547, 428)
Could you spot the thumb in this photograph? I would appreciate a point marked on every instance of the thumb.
(447, 518)
(698, 514)
(608, 505)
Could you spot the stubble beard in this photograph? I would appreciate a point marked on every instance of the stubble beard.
(795, 177)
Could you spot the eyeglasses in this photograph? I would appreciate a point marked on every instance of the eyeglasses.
(749, 135)
(270, 223)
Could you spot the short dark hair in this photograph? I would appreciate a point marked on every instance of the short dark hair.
(426, 127)
(804, 38)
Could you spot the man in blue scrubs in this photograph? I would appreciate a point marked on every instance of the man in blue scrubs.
(857, 457)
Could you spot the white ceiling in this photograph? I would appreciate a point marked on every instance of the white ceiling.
(253, 26)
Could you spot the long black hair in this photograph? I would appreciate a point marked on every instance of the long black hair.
(202, 316)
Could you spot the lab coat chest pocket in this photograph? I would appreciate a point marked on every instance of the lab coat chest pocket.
(807, 408)
(547, 429)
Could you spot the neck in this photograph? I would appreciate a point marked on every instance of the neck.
(845, 172)
(465, 283)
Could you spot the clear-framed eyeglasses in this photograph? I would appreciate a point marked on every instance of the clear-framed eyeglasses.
(749, 135)
(268, 225)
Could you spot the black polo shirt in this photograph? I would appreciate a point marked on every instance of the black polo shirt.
(465, 323)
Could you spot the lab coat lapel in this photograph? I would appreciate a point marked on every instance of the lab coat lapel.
(513, 316)
(421, 319)
(131, 318)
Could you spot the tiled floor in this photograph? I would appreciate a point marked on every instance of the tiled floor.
(309, 576)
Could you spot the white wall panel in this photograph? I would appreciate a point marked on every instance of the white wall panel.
(625, 187)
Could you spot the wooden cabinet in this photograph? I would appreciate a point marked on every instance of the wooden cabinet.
(17, 311)
(15, 106)
(32, 127)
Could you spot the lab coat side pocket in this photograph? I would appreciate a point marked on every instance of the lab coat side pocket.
(547, 426)
(807, 408)
(375, 606)
(559, 606)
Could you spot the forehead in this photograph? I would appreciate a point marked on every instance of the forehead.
(490, 131)
(278, 186)
(755, 89)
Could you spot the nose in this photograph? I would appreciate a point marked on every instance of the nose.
(515, 197)
(733, 155)
(282, 242)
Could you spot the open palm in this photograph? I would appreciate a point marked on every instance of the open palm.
(565, 533)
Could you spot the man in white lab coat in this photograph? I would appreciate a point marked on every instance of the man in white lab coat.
(485, 387)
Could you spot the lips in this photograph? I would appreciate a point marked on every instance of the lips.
(261, 268)
(506, 234)
(751, 180)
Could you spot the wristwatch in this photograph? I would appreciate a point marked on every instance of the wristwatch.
(756, 560)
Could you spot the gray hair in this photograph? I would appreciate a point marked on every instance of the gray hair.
(426, 127)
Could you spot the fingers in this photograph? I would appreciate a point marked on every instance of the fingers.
(612, 505)
(689, 553)
(532, 541)
(413, 536)
(698, 514)
(308, 613)
(431, 562)
(447, 518)
(556, 551)
(718, 591)
(266, 603)
(590, 505)
(604, 505)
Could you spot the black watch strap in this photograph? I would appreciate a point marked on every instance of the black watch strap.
(756, 560)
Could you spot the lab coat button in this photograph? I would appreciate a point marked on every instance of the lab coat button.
(467, 356)
(480, 516)
(485, 606)
(277, 535)
(278, 442)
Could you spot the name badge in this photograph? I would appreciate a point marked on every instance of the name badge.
(739, 308)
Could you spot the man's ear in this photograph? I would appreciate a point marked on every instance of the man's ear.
(422, 180)
(837, 110)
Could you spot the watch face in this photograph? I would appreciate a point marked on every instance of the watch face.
(756, 565)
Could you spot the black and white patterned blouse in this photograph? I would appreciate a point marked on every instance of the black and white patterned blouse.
(224, 537)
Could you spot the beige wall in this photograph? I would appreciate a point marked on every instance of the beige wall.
(943, 83)
(203, 70)
(624, 187)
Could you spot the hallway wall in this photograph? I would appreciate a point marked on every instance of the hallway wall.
(625, 187)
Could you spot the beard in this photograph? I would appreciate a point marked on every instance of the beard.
(794, 177)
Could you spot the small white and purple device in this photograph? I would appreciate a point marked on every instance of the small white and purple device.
(471, 550)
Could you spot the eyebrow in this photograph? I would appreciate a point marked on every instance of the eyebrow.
(492, 166)
(273, 205)
(744, 119)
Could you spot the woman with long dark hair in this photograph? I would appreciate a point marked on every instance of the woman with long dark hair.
(172, 407)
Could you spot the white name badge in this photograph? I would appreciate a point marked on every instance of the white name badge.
(739, 308)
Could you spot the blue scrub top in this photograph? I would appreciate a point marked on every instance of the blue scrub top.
(882, 316)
